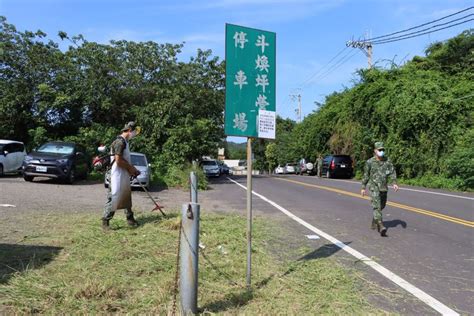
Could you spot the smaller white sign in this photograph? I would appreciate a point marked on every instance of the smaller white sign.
(266, 122)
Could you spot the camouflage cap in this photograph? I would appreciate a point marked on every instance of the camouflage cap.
(378, 145)
(130, 125)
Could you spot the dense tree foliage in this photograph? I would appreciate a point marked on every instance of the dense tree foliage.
(423, 111)
(88, 91)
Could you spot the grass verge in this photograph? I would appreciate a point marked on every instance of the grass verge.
(71, 267)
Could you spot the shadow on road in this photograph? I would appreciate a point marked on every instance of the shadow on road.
(16, 258)
(322, 252)
(394, 223)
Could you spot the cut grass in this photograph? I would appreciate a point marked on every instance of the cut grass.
(72, 267)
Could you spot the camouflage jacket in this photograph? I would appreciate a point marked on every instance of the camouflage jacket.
(118, 146)
(376, 174)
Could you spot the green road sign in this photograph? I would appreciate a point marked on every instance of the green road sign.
(250, 82)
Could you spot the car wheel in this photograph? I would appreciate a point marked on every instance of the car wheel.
(71, 177)
(28, 178)
(1, 170)
(106, 185)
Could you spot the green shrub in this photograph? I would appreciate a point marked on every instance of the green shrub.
(178, 177)
(436, 182)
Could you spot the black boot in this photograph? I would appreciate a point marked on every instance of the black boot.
(382, 229)
(131, 221)
(105, 224)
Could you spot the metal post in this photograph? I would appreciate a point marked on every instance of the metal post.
(194, 187)
(249, 212)
(189, 254)
(369, 55)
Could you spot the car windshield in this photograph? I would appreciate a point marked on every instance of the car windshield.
(208, 163)
(345, 159)
(138, 160)
(56, 149)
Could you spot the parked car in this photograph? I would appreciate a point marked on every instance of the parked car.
(337, 166)
(305, 167)
(290, 168)
(280, 170)
(12, 154)
(223, 168)
(61, 160)
(210, 168)
(140, 162)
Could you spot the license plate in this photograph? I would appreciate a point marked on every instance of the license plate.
(41, 169)
(343, 166)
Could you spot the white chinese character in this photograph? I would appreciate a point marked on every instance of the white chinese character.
(240, 78)
(261, 42)
(262, 63)
(240, 122)
(239, 38)
(261, 102)
(262, 80)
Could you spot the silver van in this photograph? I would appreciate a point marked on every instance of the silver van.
(12, 154)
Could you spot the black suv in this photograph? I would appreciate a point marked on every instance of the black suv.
(337, 166)
(61, 160)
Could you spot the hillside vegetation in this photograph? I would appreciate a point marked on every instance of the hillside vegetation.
(423, 111)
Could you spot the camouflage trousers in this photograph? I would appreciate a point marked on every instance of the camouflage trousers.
(108, 212)
(378, 200)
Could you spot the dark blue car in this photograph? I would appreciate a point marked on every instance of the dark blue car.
(60, 160)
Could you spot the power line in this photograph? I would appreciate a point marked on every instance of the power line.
(425, 29)
(336, 66)
(428, 32)
(418, 26)
(310, 78)
(320, 69)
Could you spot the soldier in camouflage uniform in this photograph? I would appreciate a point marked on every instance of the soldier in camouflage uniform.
(119, 195)
(378, 170)
(319, 163)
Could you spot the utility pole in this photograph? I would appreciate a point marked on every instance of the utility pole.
(365, 46)
(299, 110)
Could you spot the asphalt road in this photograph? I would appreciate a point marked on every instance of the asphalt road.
(431, 232)
(430, 243)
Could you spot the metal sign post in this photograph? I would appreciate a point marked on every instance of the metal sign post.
(249, 212)
(250, 97)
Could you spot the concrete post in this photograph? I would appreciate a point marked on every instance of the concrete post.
(189, 255)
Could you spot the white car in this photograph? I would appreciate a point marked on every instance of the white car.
(140, 162)
(290, 168)
(279, 170)
(12, 154)
(210, 168)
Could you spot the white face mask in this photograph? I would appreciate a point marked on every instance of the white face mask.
(380, 153)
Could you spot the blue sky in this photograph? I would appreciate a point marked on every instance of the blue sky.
(309, 33)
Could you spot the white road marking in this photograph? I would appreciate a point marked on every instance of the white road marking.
(421, 295)
(7, 205)
(416, 190)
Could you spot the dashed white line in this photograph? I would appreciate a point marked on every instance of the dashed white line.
(421, 295)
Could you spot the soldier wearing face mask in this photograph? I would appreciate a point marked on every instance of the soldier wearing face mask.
(119, 195)
(378, 170)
